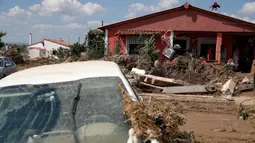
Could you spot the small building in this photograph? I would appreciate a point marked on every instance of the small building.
(46, 47)
(196, 30)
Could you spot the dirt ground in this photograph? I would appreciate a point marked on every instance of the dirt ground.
(215, 120)
(218, 123)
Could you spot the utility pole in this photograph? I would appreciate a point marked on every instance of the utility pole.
(79, 39)
(102, 23)
(68, 39)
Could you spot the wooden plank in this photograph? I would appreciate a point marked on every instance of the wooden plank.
(154, 86)
(174, 95)
(253, 67)
(186, 89)
(152, 80)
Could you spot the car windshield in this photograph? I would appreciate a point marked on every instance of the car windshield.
(42, 113)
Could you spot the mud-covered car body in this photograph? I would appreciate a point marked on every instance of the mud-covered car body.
(37, 105)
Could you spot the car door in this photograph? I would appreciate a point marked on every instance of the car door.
(7, 67)
(1, 68)
(13, 66)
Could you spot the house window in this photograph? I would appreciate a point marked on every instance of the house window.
(133, 43)
(183, 44)
(205, 48)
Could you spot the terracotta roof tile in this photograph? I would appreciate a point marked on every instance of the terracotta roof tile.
(137, 32)
(60, 42)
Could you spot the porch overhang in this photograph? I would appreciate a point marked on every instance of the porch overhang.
(138, 32)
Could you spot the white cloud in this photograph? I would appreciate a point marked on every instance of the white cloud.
(137, 8)
(168, 3)
(94, 24)
(17, 11)
(69, 9)
(15, 15)
(44, 27)
(35, 7)
(245, 18)
(67, 18)
(248, 8)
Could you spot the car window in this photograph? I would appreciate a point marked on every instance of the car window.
(6, 61)
(26, 111)
(1, 62)
(10, 61)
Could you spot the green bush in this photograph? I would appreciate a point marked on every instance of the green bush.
(147, 54)
(96, 47)
(61, 53)
(76, 50)
(117, 48)
(2, 34)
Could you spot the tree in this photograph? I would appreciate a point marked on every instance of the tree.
(96, 47)
(61, 53)
(2, 34)
(147, 54)
(76, 50)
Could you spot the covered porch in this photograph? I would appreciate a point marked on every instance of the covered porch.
(196, 43)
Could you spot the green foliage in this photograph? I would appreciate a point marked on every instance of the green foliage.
(76, 50)
(61, 53)
(96, 46)
(2, 34)
(21, 48)
(147, 54)
(149, 49)
(117, 48)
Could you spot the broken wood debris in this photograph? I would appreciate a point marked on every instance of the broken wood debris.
(160, 81)
(186, 89)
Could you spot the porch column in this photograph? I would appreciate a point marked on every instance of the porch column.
(218, 47)
(171, 39)
(106, 42)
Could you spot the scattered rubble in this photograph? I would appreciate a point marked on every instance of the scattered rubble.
(37, 62)
(194, 71)
(15, 55)
(156, 120)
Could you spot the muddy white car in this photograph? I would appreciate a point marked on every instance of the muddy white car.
(7, 66)
(64, 103)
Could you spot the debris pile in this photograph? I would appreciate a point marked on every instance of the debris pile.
(194, 71)
(156, 120)
(15, 55)
(37, 62)
(126, 62)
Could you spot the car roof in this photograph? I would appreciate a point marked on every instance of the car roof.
(62, 73)
(4, 57)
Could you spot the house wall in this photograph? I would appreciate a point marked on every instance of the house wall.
(38, 45)
(112, 38)
(34, 53)
(50, 46)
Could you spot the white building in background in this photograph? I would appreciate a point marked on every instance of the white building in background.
(45, 47)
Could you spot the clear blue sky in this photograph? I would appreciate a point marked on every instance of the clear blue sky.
(59, 18)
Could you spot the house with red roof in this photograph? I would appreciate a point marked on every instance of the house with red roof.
(196, 30)
(45, 47)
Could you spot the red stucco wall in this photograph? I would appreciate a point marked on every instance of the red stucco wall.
(112, 38)
(160, 45)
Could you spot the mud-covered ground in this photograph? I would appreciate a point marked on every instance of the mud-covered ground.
(215, 120)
